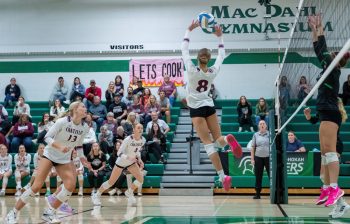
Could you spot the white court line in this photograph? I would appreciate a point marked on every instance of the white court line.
(144, 220)
(222, 204)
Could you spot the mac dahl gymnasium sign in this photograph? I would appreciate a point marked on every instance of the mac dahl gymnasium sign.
(241, 20)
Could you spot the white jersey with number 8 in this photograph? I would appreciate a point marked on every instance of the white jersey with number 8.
(199, 82)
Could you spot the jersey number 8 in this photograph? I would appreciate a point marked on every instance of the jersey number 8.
(202, 85)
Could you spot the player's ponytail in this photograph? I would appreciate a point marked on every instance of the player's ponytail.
(342, 110)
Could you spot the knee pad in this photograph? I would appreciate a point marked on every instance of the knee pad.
(209, 148)
(106, 185)
(59, 179)
(323, 160)
(218, 145)
(331, 157)
(137, 183)
(17, 174)
(322, 178)
(25, 196)
(80, 177)
(63, 195)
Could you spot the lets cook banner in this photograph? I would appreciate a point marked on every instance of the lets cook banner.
(151, 71)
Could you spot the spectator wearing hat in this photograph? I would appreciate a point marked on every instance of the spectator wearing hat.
(140, 89)
(98, 111)
(118, 108)
(110, 122)
(90, 93)
(12, 92)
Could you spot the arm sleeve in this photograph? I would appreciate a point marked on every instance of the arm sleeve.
(29, 158)
(314, 119)
(49, 137)
(9, 163)
(186, 53)
(221, 54)
(35, 160)
(321, 51)
(253, 141)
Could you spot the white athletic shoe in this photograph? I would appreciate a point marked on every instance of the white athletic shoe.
(119, 192)
(112, 192)
(11, 217)
(80, 193)
(50, 216)
(130, 195)
(340, 210)
(18, 193)
(96, 199)
(2, 193)
(37, 194)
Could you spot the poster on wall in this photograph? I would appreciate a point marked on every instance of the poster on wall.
(152, 71)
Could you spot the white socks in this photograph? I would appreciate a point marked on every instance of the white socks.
(221, 175)
(334, 185)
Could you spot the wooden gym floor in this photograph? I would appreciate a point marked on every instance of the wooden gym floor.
(181, 210)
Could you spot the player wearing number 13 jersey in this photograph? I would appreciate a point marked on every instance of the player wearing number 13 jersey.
(202, 109)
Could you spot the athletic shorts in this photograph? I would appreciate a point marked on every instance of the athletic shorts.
(53, 163)
(330, 115)
(205, 111)
(123, 163)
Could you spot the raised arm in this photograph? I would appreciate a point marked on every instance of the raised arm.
(184, 46)
(221, 50)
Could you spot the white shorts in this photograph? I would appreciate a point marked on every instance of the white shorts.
(57, 157)
(123, 163)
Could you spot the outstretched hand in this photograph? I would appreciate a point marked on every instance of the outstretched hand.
(194, 25)
(315, 21)
(218, 31)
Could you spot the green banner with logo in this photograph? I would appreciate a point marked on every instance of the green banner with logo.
(298, 163)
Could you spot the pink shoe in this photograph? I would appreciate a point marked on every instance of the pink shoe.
(66, 209)
(227, 183)
(51, 199)
(334, 195)
(323, 196)
(234, 145)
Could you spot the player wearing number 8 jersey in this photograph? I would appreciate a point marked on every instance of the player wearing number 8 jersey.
(201, 105)
(65, 135)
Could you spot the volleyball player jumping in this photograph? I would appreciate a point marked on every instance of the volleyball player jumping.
(202, 110)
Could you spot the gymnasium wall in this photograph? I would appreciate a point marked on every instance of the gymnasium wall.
(41, 40)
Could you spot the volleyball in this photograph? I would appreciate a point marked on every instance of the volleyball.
(206, 21)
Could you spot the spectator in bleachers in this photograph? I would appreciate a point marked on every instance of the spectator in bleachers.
(137, 108)
(110, 93)
(37, 157)
(119, 86)
(43, 127)
(164, 104)
(284, 89)
(133, 83)
(5, 130)
(346, 91)
(152, 106)
(22, 162)
(116, 188)
(91, 92)
(164, 127)
(98, 111)
(213, 92)
(120, 134)
(145, 97)
(130, 123)
(169, 89)
(156, 142)
(118, 108)
(89, 121)
(110, 122)
(303, 88)
(244, 111)
(60, 91)
(3, 113)
(129, 98)
(89, 139)
(105, 138)
(20, 108)
(77, 91)
(12, 93)
(79, 168)
(57, 110)
(260, 156)
(140, 90)
(97, 160)
(294, 144)
(262, 111)
(5, 167)
(22, 134)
